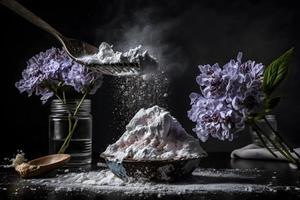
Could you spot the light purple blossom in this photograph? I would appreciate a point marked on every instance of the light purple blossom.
(229, 94)
(46, 70)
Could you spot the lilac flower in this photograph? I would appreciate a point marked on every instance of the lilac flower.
(53, 68)
(229, 94)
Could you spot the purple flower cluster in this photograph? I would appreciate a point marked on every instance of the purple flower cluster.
(229, 94)
(53, 68)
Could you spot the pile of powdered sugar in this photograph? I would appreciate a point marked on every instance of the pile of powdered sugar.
(153, 134)
(107, 55)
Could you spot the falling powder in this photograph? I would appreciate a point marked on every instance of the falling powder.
(136, 92)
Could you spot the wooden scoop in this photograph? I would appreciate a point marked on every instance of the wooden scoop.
(42, 165)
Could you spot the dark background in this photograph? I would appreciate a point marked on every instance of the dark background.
(183, 34)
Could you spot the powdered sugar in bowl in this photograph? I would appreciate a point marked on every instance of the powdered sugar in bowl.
(154, 147)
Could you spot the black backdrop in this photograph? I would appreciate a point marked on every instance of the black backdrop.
(186, 33)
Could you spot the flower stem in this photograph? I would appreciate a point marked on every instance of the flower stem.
(263, 141)
(287, 152)
(276, 133)
(79, 104)
(68, 138)
(70, 121)
(64, 97)
(71, 128)
(282, 150)
(59, 98)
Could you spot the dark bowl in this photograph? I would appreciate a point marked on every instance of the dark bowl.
(152, 170)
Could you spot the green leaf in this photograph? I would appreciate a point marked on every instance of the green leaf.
(275, 73)
(270, 104)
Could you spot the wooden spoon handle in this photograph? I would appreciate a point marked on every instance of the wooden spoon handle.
(29, 16)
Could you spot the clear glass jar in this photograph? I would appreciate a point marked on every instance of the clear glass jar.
(266, 129)
(80, 146)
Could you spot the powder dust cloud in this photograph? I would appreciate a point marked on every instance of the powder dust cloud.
(132, 93)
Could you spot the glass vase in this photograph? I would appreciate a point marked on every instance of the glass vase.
(266, 129)
(62, 121)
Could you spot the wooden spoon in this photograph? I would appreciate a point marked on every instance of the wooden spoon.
(42, 165)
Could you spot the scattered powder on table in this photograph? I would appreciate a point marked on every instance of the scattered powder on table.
(106, 182)
(153, 134)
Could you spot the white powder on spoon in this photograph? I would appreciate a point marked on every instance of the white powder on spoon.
(153, 134)
(107, 55)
